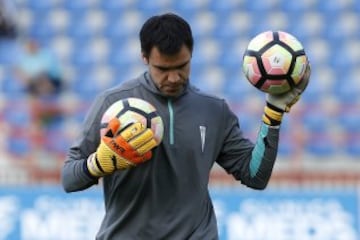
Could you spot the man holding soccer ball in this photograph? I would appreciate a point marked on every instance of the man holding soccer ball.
(161, 192)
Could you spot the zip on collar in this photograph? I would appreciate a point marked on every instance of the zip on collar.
(171, 122)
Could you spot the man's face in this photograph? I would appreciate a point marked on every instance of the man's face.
(170, 73)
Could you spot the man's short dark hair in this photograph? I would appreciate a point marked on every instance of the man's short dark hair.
(168, 32)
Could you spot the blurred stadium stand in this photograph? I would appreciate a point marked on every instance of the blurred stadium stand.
(97, 42)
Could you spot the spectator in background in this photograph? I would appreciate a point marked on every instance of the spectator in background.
(8, 24)
(39, 72)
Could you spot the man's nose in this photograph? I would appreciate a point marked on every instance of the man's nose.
(173, 76)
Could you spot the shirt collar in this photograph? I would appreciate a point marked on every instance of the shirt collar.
(147, 81)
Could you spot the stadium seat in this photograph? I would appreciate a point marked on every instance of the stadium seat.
(9, 51)
(249, 122)
(232, 59)
(352, 145)
(190, 6)
(308, 26)
(235, 25)
(207, 53)
(295, 7)
(42, 29)
(148, 8)
(223, 8)
(11, 88)
(287, 146)
(210, 80)
(347, 91)
(117, 33)
(56, 139)
(316, 120)
(125, 54)
(123, 27)
(116, 7)
(321, 82)
(259, 6)
(39, 6)
(85, 84)
(321, 144)
(318, 51)
(241, 90)
(332, 7)
(83, 28)
(80, 31)
(18, 146)
(355, 6)
(77, 117)
(349, 120)
(83, 57)
(89, 82)
(203, 25)
(78, 6)
(342, 28)
(17, 114)
(60, 20)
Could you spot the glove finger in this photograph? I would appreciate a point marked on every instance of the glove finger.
(305, 80)
(123, 148)
(132, 131)
(288, 107)
(142, 158)
(119, 152)
(146, 147)
(112, 128)
(122, 163)
(142, 138)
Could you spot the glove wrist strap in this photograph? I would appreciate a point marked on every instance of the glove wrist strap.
(271, 116)
(274, 108)
(94, 166)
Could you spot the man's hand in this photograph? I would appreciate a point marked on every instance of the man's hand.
(121, 149)
(276, 105)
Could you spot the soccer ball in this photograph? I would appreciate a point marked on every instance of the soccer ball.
(131, 110)
(274, 62)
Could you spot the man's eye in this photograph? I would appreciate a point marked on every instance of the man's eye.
(161, 69)
(182, 66)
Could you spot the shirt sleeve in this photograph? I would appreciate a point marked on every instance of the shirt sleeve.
(74, 175)
(251, 163)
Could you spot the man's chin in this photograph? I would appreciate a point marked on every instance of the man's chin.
(172, 92)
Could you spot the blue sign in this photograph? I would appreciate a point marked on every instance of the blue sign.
(287, 214)
(48, 213)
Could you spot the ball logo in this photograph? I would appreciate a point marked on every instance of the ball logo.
(276, 59)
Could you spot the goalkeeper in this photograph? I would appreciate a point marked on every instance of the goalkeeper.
(161, 192)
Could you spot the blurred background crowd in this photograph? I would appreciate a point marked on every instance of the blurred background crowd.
(56, 55)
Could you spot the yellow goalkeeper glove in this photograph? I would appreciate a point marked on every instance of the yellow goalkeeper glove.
(276, 105)
(121, 149)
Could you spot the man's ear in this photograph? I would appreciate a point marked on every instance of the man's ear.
(145, 60)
